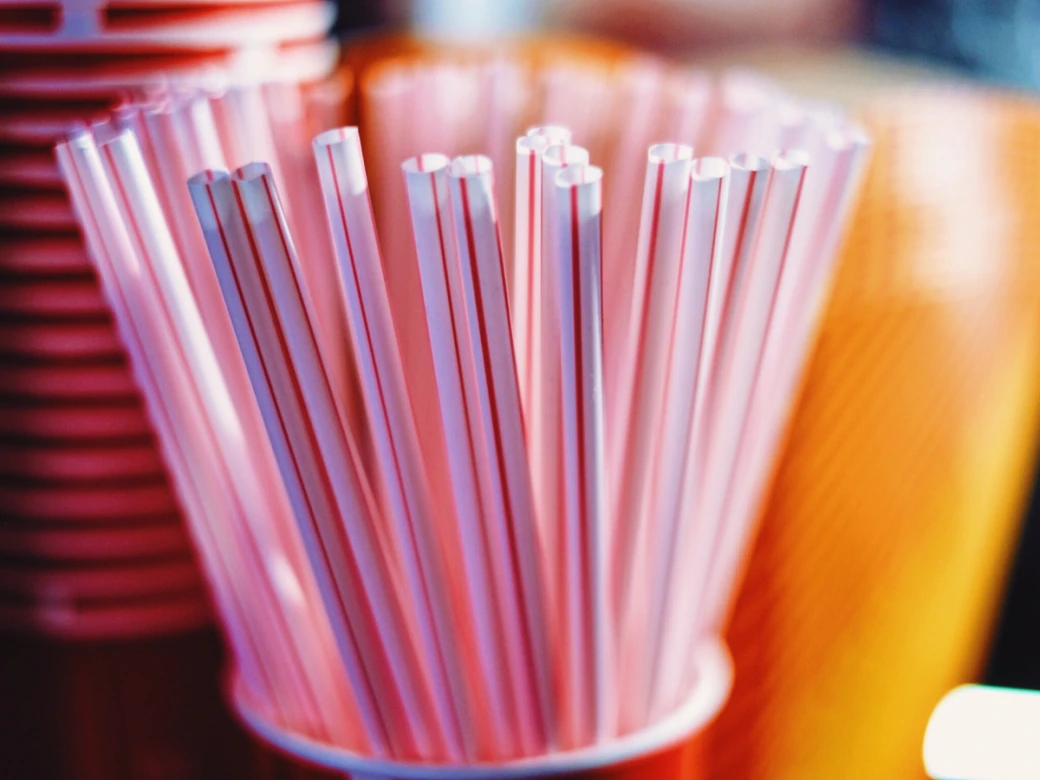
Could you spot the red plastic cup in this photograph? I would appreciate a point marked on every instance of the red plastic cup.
(668, 750)
(142, 709)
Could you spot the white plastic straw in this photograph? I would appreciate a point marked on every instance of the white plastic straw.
(333, 505)
(427, 182)
(684, 383)
(527, 260)
(785, 355)
(588, 714)
(516, 546)
(136, 204)
(94, 202)
(739, 371)
(545, 419)
(404, 489)
(636, 393)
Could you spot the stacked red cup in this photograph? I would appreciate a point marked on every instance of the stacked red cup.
(92, 544)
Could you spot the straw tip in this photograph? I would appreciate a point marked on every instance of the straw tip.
(669, 153)
(105, 132)
(336, 136)
(78, 137)
(577, 175)
(251, 171)
(470, 165)
(425, 163)
(709, 169)
(551, 133)
(750, 163)
(208, 176)
(532, 145)
(791, 159)
(565, 154)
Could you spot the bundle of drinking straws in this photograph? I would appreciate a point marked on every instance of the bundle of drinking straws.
(464, 500)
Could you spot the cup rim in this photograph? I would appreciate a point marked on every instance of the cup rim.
(714, 671)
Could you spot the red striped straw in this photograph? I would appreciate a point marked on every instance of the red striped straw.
(527, 255)
(748, 178)
(291, 133)
(403, 488)
(684, 383)
(391, 106)
(516, 549)
(545, 419)
(739, 374)
(122, 166)
(527, 259)
(586, 694)
(241, 120)
(640, 100)
(184, 130)
(489, 607)
(265, 502)
(786, 352)
(579, 98)
(114, 257)
(745, 115)
(636, 392)
(505, 91)
(684, 113)
(333, 504)
(225, 434)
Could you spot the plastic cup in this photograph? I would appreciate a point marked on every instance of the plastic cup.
(89, 542)
(146, 708)
(668, 750)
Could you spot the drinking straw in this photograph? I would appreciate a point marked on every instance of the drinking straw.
(404, 490)
(427, 182)
(133, 299)
(578, 97)
(261, 496)
(684, 380)
(685, 111)
(787, 347)
(505, 91)
(516, 551)
(241, 119)
(744, 115)
(639, 100)
(184, 133)
(332, 502)
(584, 686)
(555, 134)
(389, 106)
(739, 374)
(527, 259)
(635, 393)
(226, 435)
(94, 202)
(394, 124)
(747, 186)
(291, 132)
(448, 96)
(544, 431)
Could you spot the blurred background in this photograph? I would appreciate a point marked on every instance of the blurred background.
(900, 546)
